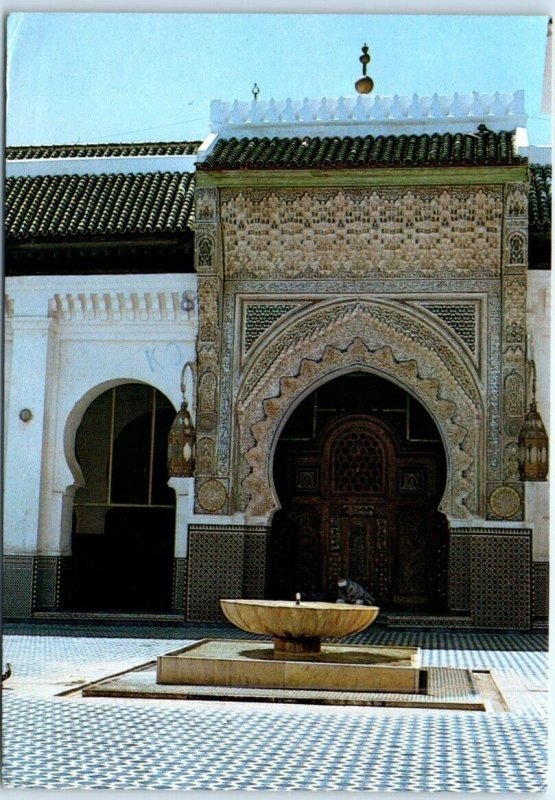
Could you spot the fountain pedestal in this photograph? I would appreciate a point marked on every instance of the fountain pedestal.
(293, 647)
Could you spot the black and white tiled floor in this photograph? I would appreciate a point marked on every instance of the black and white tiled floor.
(69, 742)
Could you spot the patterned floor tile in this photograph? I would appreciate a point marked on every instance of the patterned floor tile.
(61, 743)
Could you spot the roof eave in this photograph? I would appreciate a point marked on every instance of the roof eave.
(366, 176)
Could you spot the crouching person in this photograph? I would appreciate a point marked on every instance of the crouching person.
(353, 593)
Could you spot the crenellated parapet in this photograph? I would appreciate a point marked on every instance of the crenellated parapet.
(440, 113)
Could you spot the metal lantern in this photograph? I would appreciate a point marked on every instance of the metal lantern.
(181, 440)
(533, 442)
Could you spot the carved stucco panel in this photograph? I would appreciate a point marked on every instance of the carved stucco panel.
(517, 201)
(209, 304)
(513, 343)
(206, 204)
(414, 357)
(387, 232)
(228, 346)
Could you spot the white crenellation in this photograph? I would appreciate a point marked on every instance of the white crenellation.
(120, 307)
(441, 112)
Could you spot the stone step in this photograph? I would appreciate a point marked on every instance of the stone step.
(108, 616)
(426, 621)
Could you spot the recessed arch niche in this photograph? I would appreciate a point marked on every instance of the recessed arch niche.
(123, 526)
(387, 338)
(359, 469)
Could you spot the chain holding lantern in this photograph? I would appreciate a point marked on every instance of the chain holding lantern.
(182, 436)
(533, 442)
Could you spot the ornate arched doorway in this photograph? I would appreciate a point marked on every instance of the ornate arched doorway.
(123, 527)
(359, 470)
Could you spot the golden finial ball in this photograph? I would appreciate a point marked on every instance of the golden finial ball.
(364, 85)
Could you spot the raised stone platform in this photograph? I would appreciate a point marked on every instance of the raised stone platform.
(447, 689)
(248, 664)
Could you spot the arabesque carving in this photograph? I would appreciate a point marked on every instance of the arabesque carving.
(210, 309)
(517, 201)
(205, 456)
(374, 335)
(207, 392)
(206, 203)
(387, 232)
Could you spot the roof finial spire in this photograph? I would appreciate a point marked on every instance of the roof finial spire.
(255, 92)
(365, 84)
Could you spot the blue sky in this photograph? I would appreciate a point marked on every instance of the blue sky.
(101, 77)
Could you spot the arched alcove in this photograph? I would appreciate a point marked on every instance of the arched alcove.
(123, 525)
(359, 470)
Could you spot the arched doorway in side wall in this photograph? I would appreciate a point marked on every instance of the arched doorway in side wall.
(124, 517)
(360, 469)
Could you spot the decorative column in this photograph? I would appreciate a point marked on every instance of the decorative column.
(212, 487)
(506, 498)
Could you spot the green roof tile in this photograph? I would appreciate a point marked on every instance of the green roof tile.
(102, 150)
(540, 198)
(64, 206)
(483, 148)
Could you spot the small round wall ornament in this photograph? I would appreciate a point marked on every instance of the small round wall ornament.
(505, 502)
(212, 495)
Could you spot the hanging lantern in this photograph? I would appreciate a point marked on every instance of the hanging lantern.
(533, 442)
(181, 440)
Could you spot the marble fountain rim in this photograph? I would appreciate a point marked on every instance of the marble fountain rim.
(303, 622)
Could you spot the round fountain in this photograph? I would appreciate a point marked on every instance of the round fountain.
(298, 627)
(300, 658)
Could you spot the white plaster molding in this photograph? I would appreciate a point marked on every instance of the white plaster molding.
(120, 307)
(363, 115)
(96, 165)
(122, 298)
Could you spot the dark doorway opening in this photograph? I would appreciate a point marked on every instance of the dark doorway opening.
(124, 517)
(360, 469)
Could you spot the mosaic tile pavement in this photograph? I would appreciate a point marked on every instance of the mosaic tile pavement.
(74, 742)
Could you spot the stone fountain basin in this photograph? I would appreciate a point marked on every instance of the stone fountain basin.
(284, 619)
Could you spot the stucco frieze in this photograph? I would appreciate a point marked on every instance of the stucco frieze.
(206, 204)
(434, 288)
(389, 232)
(113, 306)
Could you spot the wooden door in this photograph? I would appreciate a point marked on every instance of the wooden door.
(359, 507)
(357, 460)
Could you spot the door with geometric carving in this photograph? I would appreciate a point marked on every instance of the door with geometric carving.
(358, 457)
(359, 505)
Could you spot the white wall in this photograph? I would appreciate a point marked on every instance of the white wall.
(73, 338)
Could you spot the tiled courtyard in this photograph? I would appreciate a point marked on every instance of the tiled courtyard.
(71, 742)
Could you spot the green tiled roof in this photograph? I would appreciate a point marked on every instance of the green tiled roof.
(435, 150)
(102, 150)
(63, 206)
(540, 198)
(60, 207)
